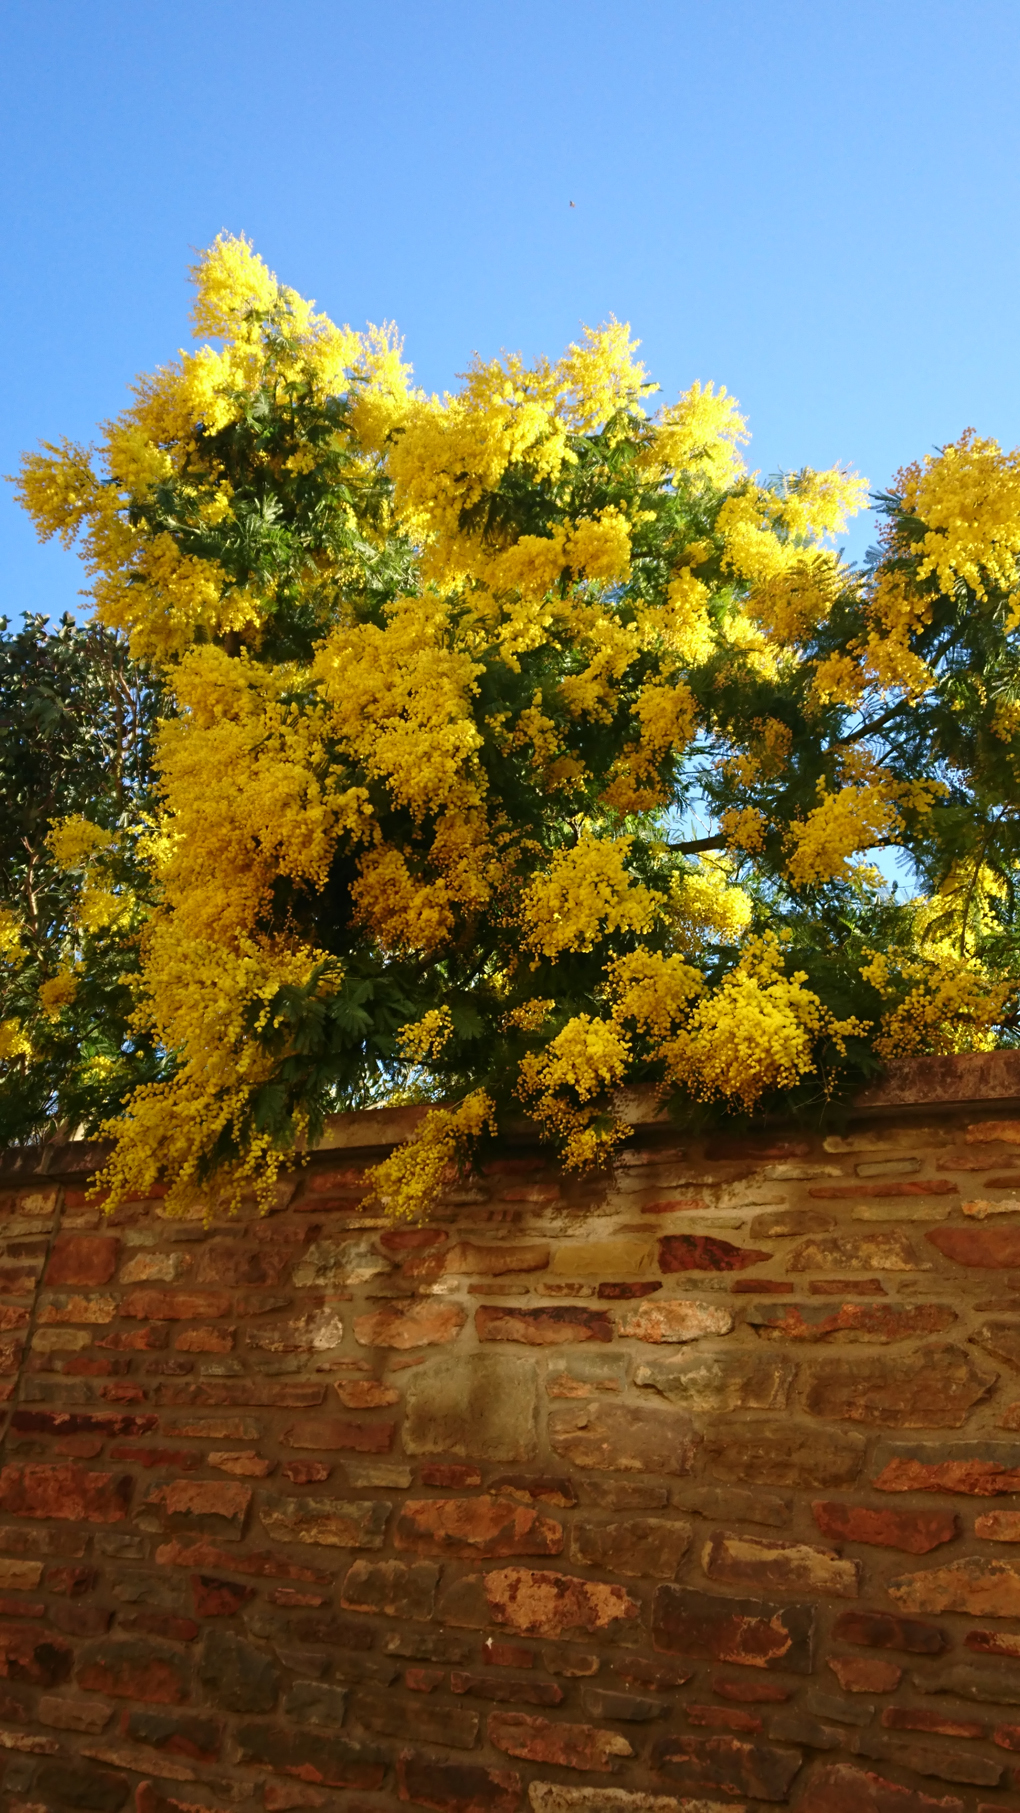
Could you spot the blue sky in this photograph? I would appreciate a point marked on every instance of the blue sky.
(812, 202)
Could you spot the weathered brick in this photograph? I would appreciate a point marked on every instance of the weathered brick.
(705, 1253)
(723, 1503)
(995, 1248)
(1001, 1340)
(246, 1464)
(865, 1674)
(722, 1718)
(632, 1708)
(470, 1259)
(456, 1787)
(731, 1765)
(538, 1604)
(176, 1735)
(881, 1630)
(568, 1746)
(916, 1532)
(866, 1322)
(751, 1692)
(483, 1406)
(994, 1643)
(790, 1566)
(378, 1712)
(640, 1546)
(176, 1306)
(885, 1252)
(788, 1224)
(980, 1469)
(334, 1264)
(334, 1761)
(774, 1453)
(235, 1676)
(526, 1488)
(758, 1634)
(365, 1394)
(977, 1585)
(332, 1522)
(475, 1526)
(932, 1388)
(69, 1492)
(950, 1766)
(33, 1656)
(312, 1703)
(708, 1383)
(556, 1797)
(22, 1576)
(506, 1688)
(987, 1684)
(187, 1499)
(930, 1186)
(83, 1259)
(913, 1718)
(425, 1324)
(65, 1713)
(319, 1332)
(74, 1785)
(260, 1564)
(131, 1670)
(685, 1319)
(391, 1587)
(542, 1327)
(336, 1433)
(624, 1438)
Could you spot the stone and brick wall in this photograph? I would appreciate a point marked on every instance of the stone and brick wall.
(694, 1488)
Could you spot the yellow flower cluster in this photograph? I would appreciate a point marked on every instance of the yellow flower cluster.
(57, 993)
(586, 894)
(558, 1084)
(423, 1039)
(408, 1182)
(706, 908)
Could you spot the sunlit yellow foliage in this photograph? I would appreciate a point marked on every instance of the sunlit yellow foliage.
(408, 1182)
(586, 894)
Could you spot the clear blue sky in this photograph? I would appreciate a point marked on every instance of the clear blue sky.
(812, 202)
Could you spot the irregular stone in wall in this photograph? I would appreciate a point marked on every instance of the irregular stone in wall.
(82, 1259)
(685, 1319)
(982, 1587)
(995, 1249)
(404, 1325)
(980, 1469)
(994, 1643)
(790, 1566)
(916, 1532)
(624, 1438)
(391, 1587)
(933, 1388)
(729, 1765)
(641, 1546)
(334, 1761)
(134, 1671)
(545, 1741)
(334, 1263)
(236, 1676)
(784, 1454)
(721, 1382)
(720, 1502)
(582, 1374)
(602, 1258)
(987, 1685)
(753, 1632)
(456, 1787)
(542, 1327)
(553, 1797)
(466, 1258)
(1001, 1340)
(785, 1224)
(888, 1252)
(475, 1526)
(705, 1253)
(842, 1788)
(333, 1522)
(33, 1656)
(538, 1604)
(483, 1407)
(867, 1322)
(376, 1711)
(865, 1674)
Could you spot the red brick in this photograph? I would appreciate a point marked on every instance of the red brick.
(990, 1247)
(731, 1764)
(176, 1306)
(205, 1340)
(705, 1253)
(218, 1598)
(538, 1604)
(567, 1746)
(411, 1240)
(1007, 1737)
(78, 1422)
(911, 1718)
(979, 1478)
(660, 1676)
(722, 1718)
(68, 1492)
(312, 1757)
(424, 1324)
(994, 1643)
(203, 1498)
(365, 1394)
(83, 1259)
(424, 1680)
(760, 1561)
(157, 1457)
(70, 1581)
(916, 1532)
(542, 1327)
(861, 1321)
(475, 1526)
(850, 1287)
(261, 1564)
(865, 1674)
(506, 1655)
(306, 1472)
(161, 1624)
(449, 1473)
(841, 1788)
(672, 1205)
(505, 1687)
(134, 1671)
(335, 1433)
(932, 1186)
(291, 1394)
(173, 1734)
(752, 1632)
(456, 1787)
(751, 1693)
(882, 1630)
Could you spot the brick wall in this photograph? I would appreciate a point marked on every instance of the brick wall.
(690, 1489)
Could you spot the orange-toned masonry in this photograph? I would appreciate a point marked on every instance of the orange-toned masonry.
(688, 1488)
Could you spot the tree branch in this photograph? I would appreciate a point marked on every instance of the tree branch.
(699, 843)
